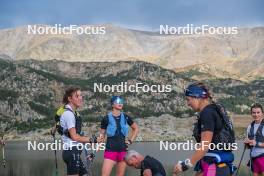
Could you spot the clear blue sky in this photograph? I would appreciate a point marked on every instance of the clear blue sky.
(138, 14)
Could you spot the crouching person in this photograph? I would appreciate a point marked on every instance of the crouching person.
(148, 166)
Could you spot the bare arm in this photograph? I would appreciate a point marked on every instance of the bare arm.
(147, 172)
(134, 134)
(102, 135)
(206, 139)
(77, 137)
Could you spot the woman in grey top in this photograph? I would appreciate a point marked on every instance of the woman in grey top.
(71, 123)
(255, 140)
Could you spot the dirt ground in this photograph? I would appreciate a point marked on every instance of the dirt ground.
(241, 123)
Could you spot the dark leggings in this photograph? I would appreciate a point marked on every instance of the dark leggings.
(72, 158)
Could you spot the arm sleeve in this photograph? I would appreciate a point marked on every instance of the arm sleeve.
(147, 165)
(104, 123)
(129, 120)
(208, 120)
(69, 119)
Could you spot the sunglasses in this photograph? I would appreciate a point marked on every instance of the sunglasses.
(119, 101)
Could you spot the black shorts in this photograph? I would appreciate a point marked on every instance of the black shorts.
(72, 158)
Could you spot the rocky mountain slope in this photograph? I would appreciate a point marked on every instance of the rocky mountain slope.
(31, 91)
(240, 56)
(36, 69)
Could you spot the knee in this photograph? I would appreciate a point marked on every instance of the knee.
(120, 174)
(106, 171)
(105, 174)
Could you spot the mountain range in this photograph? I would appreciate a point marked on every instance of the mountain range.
(238, 56)
(36, 69)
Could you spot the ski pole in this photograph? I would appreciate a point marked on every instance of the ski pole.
(3, 150)
(94, 141)
(53, 131)
(251, 163)
(89, 156)
(241, 159)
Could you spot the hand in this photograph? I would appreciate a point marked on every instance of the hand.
(2, 142)
(128, 142)
(53, 131)
(250, 142)
(177, 169)
(246, 141)
(100, 139)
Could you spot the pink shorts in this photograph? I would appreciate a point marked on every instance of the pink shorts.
(208, 170)
(258, 165)
(115, 156)
(213, 170)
